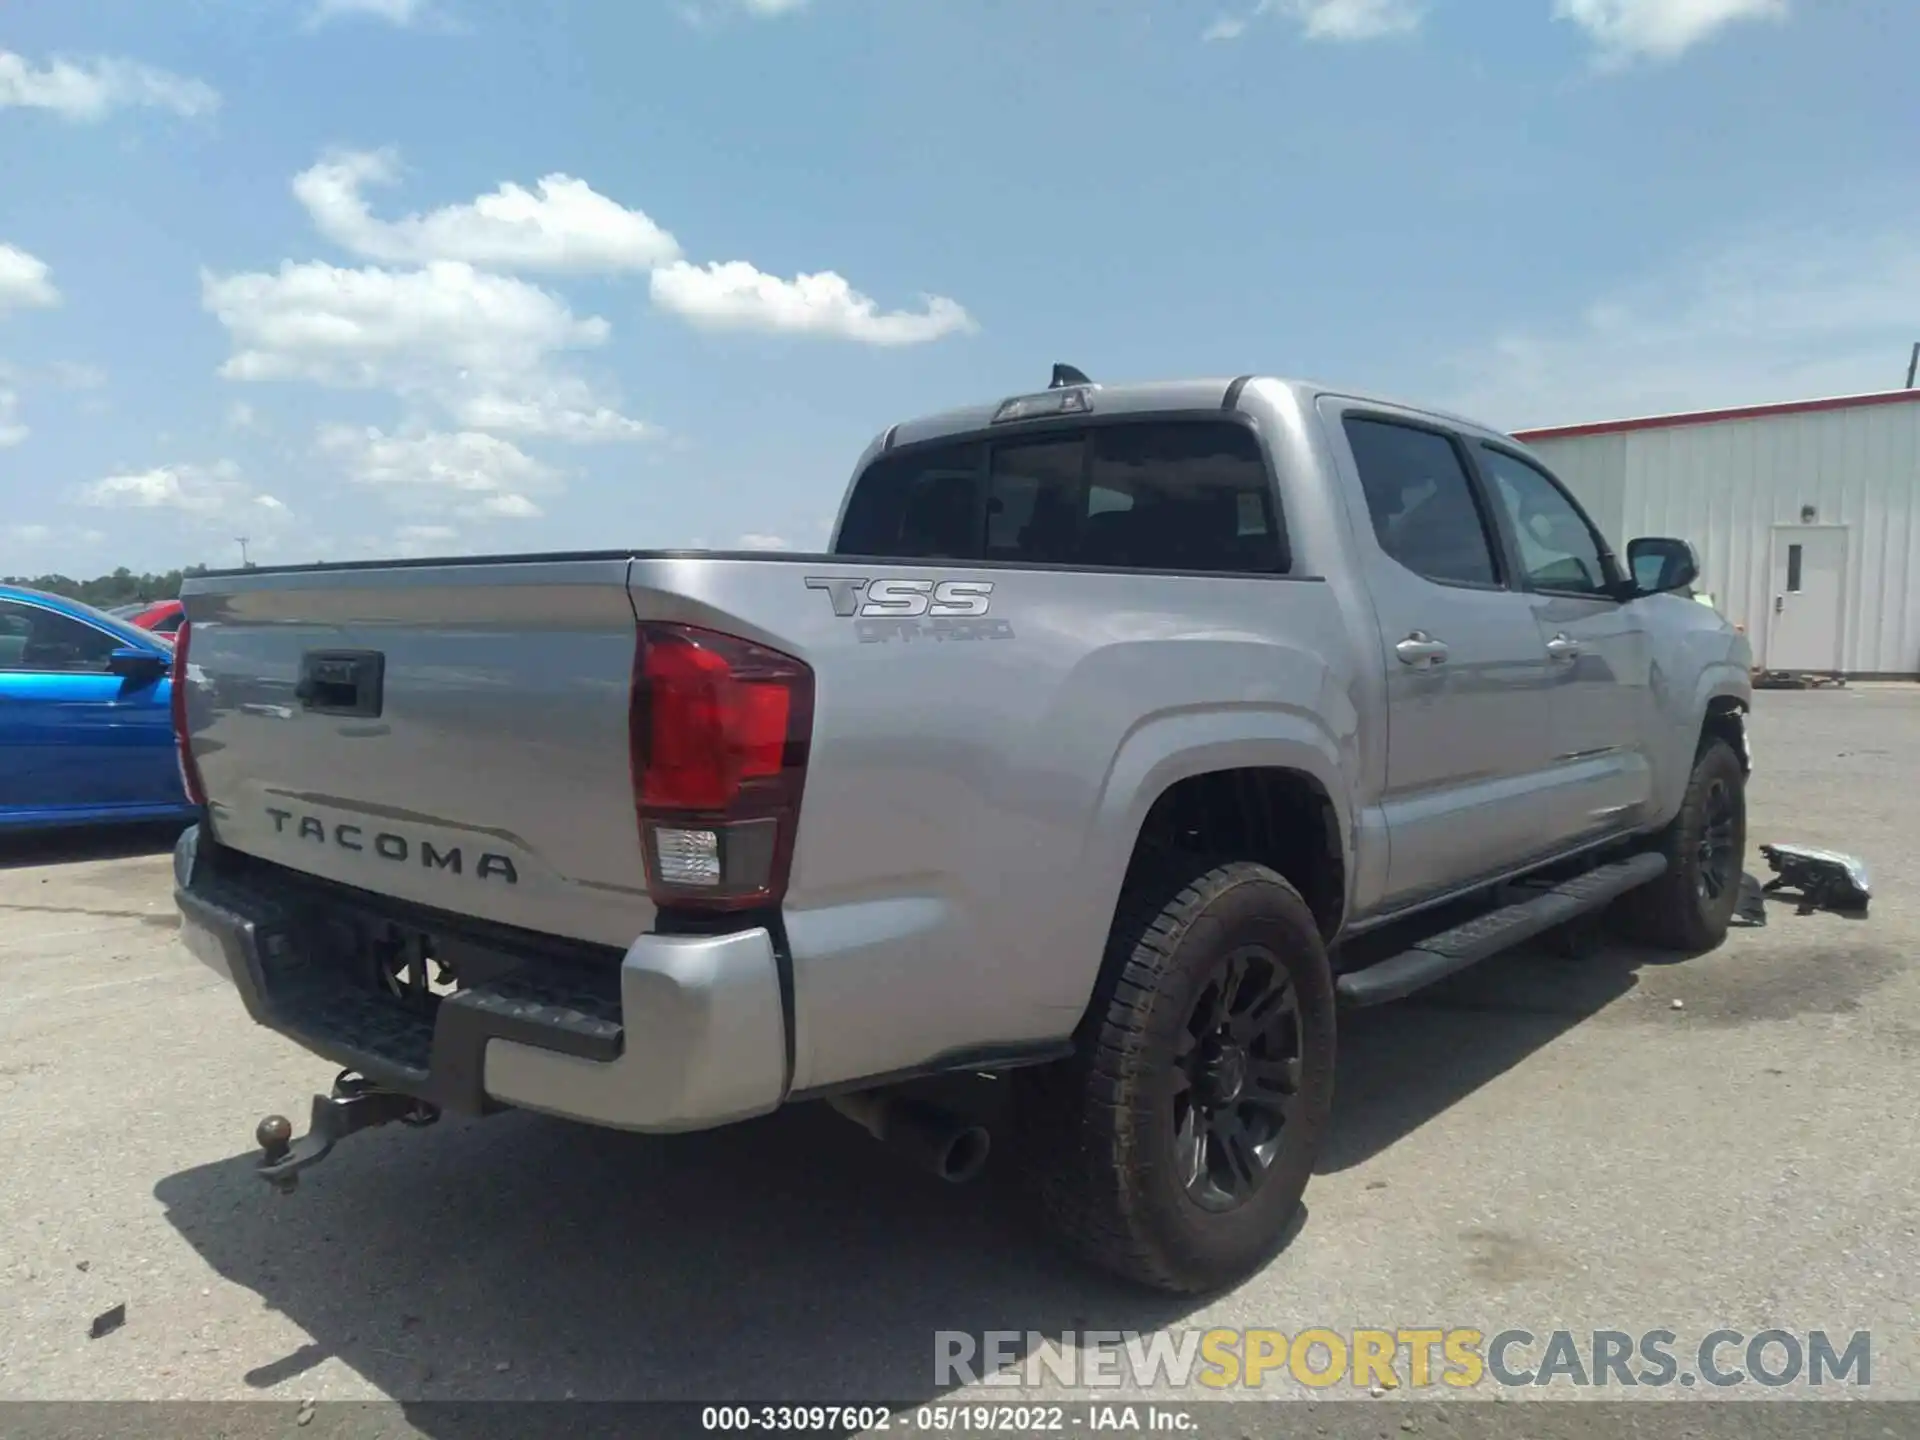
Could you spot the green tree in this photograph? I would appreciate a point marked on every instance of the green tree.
(104, 592)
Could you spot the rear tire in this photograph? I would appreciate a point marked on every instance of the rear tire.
(1174, 1148)
(1690, 907)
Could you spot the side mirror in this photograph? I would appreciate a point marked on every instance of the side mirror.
(133, 663)
(1660, 564)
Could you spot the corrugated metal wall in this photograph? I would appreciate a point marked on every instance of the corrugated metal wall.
(1725, 484)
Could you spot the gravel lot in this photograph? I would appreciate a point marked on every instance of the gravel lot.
(1620, 1142)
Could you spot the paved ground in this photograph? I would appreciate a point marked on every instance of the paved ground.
(1542, 1144)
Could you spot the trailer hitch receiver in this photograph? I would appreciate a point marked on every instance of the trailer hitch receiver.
(355, 1103)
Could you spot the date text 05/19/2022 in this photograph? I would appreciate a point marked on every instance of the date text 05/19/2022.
(963, 1419)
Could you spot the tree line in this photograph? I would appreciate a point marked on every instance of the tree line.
(103, 592)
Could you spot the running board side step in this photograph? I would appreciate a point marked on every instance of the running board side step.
(1485, 936)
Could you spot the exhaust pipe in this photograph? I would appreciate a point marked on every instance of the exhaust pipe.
(934, 1139)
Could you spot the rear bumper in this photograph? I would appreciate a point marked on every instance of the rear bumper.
(685, 1033)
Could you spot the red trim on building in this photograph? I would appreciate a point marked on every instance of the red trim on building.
(1709, 417)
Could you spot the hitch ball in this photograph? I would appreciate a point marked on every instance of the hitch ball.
(275, 1134)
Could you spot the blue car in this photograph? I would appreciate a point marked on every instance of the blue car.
(86, 732)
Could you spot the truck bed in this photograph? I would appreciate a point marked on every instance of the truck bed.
(966, 815)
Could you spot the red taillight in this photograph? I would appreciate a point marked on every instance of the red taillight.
(720, 728)
(182, 742)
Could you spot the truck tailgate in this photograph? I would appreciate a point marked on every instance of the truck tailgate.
(451, 734)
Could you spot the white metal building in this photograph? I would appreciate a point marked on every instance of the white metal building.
(1806, 516)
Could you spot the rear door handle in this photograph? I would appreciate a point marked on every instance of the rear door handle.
(1421, 651)
(1563, 647)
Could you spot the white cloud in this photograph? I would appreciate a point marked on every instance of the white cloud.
(38, 537)
(1329, 19)
(71, 375)
(483, 348)
(1351, 19)
(12, 432)
(24, 280)
(204, 492)
(756, 540)
(394, 12)
(1791, 315)
(415, 541)
(699, 12)
(566, 226)
(733, 295)
(371, 326)
(506, 507)
(478, 355)
(562, 413)
(463, 473)
(92, 89)
(1659, 29)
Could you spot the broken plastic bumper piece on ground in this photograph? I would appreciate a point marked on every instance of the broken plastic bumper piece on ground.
(1823, 879)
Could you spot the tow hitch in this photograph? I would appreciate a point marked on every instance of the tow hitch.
(355, 1103)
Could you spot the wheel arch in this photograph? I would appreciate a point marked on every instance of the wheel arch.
(1282, 803)
(1276, 816)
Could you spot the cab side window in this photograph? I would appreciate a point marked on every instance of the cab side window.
(1558, 549)
(1421, 500)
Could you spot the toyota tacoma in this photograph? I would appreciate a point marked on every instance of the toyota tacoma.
(1123, 738)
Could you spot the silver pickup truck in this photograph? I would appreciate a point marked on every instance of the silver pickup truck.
(1114, 722)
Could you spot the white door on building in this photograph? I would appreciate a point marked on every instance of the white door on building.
(1809, 583)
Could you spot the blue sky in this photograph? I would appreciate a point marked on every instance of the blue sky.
(372, 277)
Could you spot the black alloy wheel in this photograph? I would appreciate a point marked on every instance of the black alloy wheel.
(1236, 1075)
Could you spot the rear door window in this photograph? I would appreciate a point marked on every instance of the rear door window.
(1421, 502)
(1149, 495)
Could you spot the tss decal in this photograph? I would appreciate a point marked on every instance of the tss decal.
(910, 609)
(904, 599)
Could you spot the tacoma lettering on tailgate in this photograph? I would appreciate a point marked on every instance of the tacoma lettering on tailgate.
(395, 847)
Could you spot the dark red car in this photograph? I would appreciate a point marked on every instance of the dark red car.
(163, 617)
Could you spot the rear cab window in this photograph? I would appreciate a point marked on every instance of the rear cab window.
(1155, 495)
